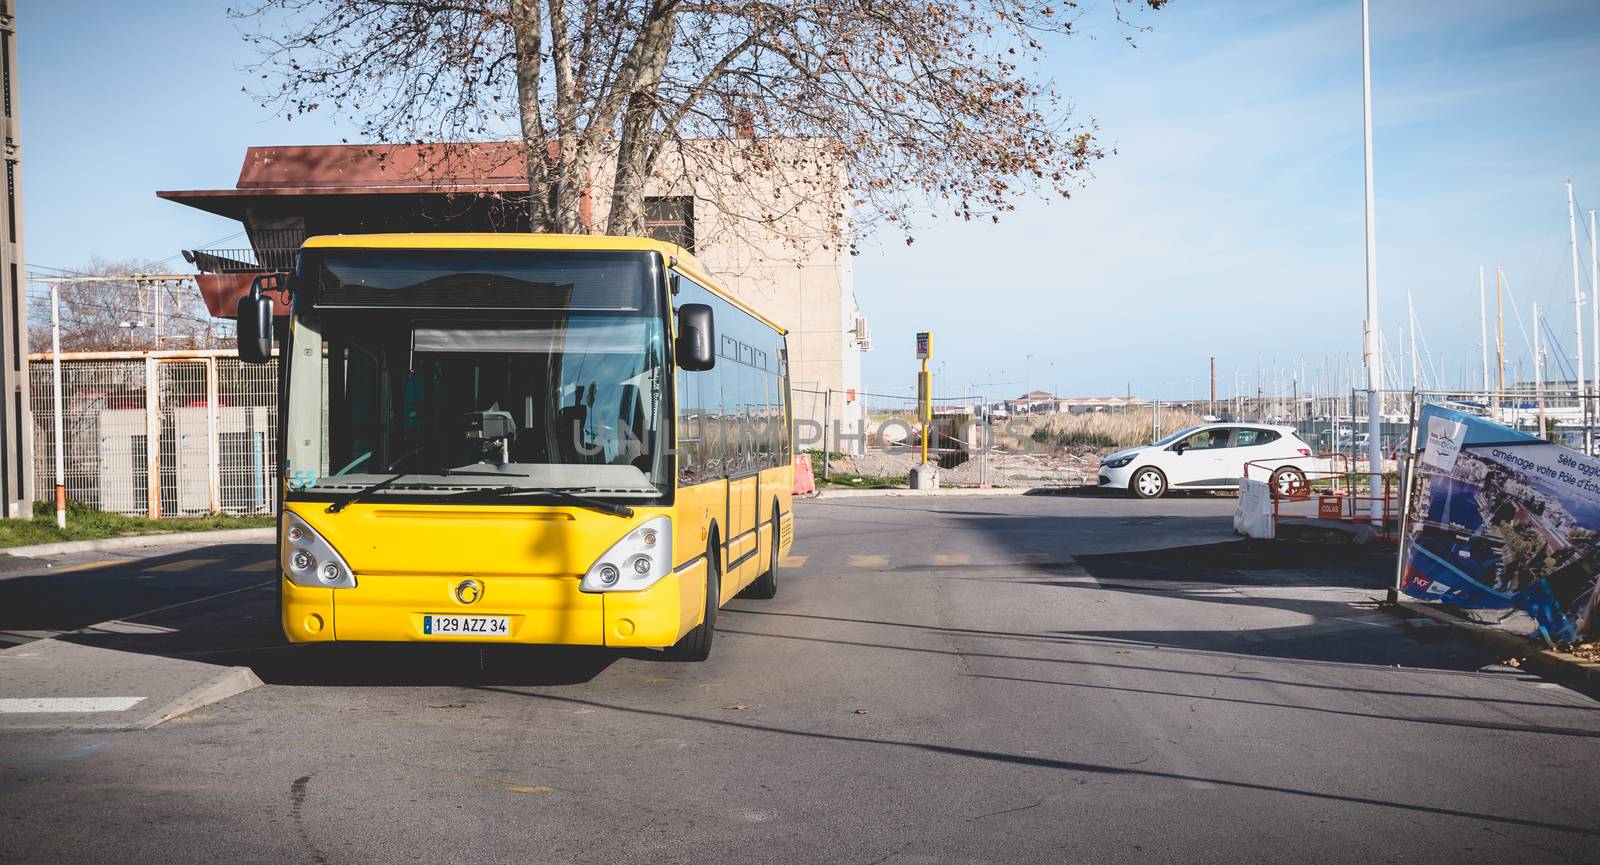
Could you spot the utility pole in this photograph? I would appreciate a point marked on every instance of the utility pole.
(16, 423)
(1370, 340)
(1213, 386)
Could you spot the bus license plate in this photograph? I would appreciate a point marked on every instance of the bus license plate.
(466, 626)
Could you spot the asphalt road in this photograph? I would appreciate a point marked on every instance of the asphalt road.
(978, 679)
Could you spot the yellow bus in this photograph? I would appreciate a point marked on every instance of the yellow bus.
(522, 438)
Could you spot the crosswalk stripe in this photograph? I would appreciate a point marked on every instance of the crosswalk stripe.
(869, 561)
(261, 567)
(30, 705)
(793, 562)
(181, 565)
(952, 559)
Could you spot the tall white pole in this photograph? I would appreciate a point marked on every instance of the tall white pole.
(1411, 315)
(1538, 368)
(1370, 337)
(1483, 335)
(1594, 304)
(55, 387)
(1577, 290)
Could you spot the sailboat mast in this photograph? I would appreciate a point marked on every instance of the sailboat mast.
(1500, 324)
(1538, 368)
(1483, 335)
(1411, 318)
(1577, 291)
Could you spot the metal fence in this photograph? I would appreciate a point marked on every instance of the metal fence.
(159, 434)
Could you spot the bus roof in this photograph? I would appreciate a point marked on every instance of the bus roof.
(685, 260)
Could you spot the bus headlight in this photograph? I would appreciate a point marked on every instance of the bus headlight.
(308, 560)
(641, 558)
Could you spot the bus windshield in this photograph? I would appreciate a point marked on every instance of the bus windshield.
(438, 400)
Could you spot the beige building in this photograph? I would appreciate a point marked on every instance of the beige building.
(795, 268)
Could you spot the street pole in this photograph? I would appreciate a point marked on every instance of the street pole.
(827, 415)
(55, 385)
(1370, 342)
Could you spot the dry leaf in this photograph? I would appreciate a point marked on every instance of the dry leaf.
(738, 707)
(862, 712)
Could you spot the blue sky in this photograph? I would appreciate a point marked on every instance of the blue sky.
(1227, 223)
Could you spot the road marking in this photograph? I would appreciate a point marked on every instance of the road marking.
(29, 705)
(793, 562)
(261, 567)
(182, 565)
(869, 561)
(952, 559)
(88, 566)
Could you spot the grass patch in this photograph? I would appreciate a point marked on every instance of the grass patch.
(1107, 430)
(87, 524)
(861, 482)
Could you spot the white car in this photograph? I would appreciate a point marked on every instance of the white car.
(1212, 457)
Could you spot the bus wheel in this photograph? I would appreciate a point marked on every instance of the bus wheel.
(696, 645)
(766, 585)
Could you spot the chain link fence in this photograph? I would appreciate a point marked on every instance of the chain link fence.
(159, 434)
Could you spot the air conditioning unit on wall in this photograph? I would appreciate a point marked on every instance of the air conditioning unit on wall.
(862, 335)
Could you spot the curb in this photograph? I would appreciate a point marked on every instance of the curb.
(164, 539)
(233, 680)
(1563, 666)
(831, 493)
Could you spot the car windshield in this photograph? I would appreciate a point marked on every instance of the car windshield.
(1177, 435)
(452, 400)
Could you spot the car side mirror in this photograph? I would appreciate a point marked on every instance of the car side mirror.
(1179, 448)
(255, 325)
(695, 346)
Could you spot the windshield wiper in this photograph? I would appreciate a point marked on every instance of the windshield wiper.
(363, 493)
(605, 507)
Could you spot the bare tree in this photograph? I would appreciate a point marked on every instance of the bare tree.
(913, 105)
(110, 314)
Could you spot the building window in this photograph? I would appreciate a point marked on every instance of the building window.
(671, 219)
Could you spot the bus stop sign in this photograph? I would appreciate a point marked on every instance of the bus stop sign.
(924, 345)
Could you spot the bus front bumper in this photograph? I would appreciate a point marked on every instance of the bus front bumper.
(539, 610)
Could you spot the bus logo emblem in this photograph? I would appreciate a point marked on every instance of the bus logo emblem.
(469, 591)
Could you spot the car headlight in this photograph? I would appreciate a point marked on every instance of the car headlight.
(636, 562)
(308, 560)
(1117, 463)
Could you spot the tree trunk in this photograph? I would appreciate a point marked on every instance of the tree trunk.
(634, 147)
(572, 158)
(528, 30)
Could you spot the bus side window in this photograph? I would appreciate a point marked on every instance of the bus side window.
(691, 428)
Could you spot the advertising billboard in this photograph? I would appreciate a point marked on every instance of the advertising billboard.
(1502, 519)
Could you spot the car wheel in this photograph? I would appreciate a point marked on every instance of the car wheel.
(765, 586)
(1148, 483)
(1289, 482)
(696, 645)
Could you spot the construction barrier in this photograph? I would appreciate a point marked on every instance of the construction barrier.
(804, 480)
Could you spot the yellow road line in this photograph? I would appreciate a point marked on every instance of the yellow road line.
(869, 561)
(181, 565)
(952, 559)
(89, 566)
(260, 567)
(792, 562)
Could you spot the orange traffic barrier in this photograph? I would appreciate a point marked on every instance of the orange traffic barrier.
(804, 481)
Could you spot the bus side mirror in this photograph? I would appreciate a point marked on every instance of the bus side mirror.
(695, 347)
(255, 327)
